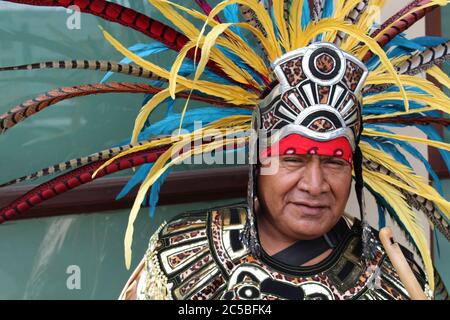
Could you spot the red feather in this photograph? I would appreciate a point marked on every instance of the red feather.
(132, 19)
(74, 179)
(402, 25)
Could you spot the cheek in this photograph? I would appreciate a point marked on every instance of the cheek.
(273, 189)
(340, 186)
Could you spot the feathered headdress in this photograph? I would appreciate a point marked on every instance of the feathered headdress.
(226, 63)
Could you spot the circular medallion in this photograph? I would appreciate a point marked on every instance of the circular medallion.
(324, 65)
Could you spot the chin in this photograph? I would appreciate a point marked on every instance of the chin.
(309, 230)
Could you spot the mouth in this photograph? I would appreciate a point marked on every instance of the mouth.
(310, 208)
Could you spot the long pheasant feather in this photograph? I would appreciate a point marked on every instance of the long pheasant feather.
(410, 6)
(409, 17)
(99, 65)
(206, 8)
(422, 120)
(421, 61)
(251, 18)
(74, 179)
(31, 107)
(317, 9)
(352, 17)
(75, 163)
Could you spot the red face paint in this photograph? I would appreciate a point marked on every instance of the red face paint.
(297, 144)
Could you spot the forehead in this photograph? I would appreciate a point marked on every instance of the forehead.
(307, 157)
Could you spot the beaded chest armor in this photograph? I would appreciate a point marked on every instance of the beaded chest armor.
(200, 256)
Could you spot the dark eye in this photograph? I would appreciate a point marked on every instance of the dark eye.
(337, 162)
(293, 159)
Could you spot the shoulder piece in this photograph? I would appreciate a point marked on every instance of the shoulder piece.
(183, 258)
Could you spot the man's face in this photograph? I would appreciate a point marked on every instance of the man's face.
(306, 196)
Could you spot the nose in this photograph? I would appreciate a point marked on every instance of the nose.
(313, 179)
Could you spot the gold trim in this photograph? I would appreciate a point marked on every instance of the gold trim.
(156, 284)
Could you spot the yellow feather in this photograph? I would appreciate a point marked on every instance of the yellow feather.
(295, 18)
(330, 36)
(366, 21)
(230, 93)
(229, 67)
(441, 202)
(250, 58)
(268, 48)
(395, 199)
(240, 47)
(176, 67)
(278, 7)
(137, 205)
(160, 166)
(440, 76)
(192, 32)
(261, 14)
(156, 100)
(177, 19)
(209, 42)
(396, 114)
(230, 122)
(417, 82)
(415, 183)
(435, 103)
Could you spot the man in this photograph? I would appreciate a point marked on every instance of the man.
(292, 241)
(322, 84)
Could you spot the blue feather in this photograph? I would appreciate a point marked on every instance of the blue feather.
(414, 152)
(328, 9)
(154, 193)
(388, 106)
(392, 213)
(430, 41)
(171, 122)
(387, 147)
(381, 216)
(431, 132)
(170, 107)
(401, 41)
(231, 13)
(137, 178)
(306, 15)
(166, 126)
(188, 67)
(401, 46)
(436, 241)
(272, 17)
(151, 199)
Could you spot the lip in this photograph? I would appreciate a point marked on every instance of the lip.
(310, 208)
